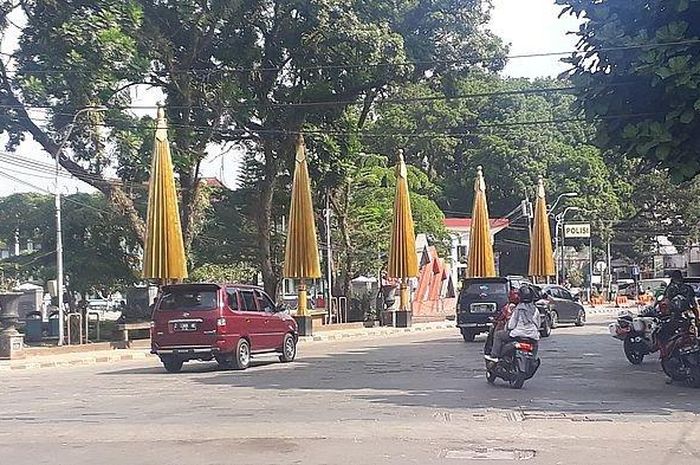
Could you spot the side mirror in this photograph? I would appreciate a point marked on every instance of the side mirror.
(280, 308)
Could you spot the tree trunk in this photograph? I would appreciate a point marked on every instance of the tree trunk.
(263, 219)
(344, 227)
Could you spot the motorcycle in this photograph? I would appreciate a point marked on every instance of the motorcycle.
(518, 364)
(637, 334)
(680, 349)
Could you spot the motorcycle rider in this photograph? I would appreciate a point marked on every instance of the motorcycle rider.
(678, 287)
(523, 323)
(500, 322)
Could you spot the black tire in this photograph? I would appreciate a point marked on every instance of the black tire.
(546, 330)
(468, 336)
(580, 318)
(670, 366)
(518, 382)
(172, 364)
(633, 355)
(694, 379)
(490, 377)
(289, 348)
(241, 357)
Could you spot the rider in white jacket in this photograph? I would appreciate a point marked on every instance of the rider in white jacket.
(524, 322)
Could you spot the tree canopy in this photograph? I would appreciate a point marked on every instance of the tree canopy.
(637, 74)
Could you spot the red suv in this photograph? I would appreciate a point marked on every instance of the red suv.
(226, 322)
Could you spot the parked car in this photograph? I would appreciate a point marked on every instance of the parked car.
(694, 282)
(224, 322)
(562, 305)
(481, 298)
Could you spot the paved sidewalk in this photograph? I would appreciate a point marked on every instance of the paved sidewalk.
(89, 357)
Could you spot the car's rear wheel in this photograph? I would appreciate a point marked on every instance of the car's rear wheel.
(580, 318)
(289, 349)
(172, 364)
(468, 335)
(241, 357)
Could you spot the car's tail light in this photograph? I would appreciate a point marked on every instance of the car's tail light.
(524, 346)
(220, 325)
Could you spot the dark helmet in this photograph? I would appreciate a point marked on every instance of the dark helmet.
(676, 276)
(526, 294)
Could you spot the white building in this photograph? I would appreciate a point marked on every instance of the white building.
(459, 230)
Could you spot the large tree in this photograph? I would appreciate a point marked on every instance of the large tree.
(254, 70)
(100, 250)
(638, 74)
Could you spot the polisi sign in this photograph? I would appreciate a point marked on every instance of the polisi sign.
(581, 230)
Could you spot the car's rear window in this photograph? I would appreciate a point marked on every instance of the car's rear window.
(189, 298)
(478, 291)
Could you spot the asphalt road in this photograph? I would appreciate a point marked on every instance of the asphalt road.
(414, 399)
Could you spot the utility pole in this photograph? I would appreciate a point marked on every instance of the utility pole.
(59, 234)
(329, 257)
(609, 280)
(590, 267)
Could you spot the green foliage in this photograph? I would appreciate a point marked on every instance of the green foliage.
(371, 211)
(658, 207)
(100, 251)
(242, 273)
(646, 95)
(501, 133)
(576, 277)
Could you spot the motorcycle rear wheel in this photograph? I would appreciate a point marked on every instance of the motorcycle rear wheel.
(670, 367)
(694, 379)
(518, 381)
(634, 356)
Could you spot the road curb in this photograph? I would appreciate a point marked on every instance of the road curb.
(76, 359)
(370, 333)
(71, 360)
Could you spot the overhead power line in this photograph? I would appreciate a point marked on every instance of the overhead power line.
(385, 101)
(41, 189)
(385, 64)
(46, 171)
(455, 131)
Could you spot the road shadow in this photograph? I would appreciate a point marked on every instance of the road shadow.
(580, 373)
(192, 367)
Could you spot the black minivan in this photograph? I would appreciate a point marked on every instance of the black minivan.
(482, 298)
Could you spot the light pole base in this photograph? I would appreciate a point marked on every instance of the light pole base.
(304, 325)
(11, 345)
(404, 318)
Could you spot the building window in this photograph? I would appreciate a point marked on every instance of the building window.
(462, 253)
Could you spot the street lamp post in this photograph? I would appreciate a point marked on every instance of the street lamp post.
(556, 227)
(561, 196)
(560, 225)
(59, 234)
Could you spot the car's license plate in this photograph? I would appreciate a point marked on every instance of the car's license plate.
(185, 326)
(483, 308)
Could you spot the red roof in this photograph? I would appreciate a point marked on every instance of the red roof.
(466, 223)
(212, 182)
